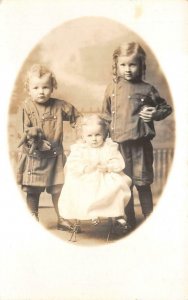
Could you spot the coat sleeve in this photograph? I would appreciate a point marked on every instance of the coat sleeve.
(70, 113)
(163, 109)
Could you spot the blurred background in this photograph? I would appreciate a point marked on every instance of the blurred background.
(79, 52)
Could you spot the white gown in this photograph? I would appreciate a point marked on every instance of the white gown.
(96, 194)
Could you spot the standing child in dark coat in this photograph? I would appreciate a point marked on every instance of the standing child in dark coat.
(133, 105)
(41, 156)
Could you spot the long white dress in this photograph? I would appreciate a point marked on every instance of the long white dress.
(96, 194)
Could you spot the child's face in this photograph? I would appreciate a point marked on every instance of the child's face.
(40, 89)
(128, 67)
(93, 135)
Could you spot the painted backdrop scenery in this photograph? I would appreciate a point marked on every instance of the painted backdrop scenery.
(79, 52)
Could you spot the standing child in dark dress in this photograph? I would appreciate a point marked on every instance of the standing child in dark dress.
(133, 105)
(41, 156)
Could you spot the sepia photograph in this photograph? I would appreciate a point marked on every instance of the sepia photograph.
(86, 75)
(94, 150)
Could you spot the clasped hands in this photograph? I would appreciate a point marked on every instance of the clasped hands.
(91, 167)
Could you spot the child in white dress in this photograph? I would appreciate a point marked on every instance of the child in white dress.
(95, 185)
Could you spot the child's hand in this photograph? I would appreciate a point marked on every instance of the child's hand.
(147, 113)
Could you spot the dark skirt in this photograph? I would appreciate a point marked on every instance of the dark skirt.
(40, 171)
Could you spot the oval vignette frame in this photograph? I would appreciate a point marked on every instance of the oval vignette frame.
(79, 52)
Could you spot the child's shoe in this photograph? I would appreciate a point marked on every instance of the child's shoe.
(121, 225)
(64, 225)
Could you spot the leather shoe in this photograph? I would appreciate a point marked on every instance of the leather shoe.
(64, 225)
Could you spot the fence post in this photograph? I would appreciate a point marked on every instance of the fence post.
(162, 162)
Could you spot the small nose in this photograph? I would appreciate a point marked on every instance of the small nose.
(41, 90)
(127, 69)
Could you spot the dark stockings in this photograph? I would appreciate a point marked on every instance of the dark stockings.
(33, 203)
(129, 211)
(55, 198)
(146, 202)
(146, 199)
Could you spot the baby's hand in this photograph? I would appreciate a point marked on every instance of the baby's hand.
(147, 113)
(102, 168)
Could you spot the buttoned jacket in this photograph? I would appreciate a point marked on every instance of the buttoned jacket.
(122, 103)
(44, 168)
(49, 117)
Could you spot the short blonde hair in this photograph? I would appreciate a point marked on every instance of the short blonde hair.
(39, 71)
(97, 119)
(129, 49)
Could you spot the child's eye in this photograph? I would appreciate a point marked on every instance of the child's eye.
(98, 134)
(35, 87)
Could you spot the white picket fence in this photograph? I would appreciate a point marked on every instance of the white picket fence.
(162, 163)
